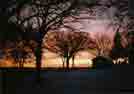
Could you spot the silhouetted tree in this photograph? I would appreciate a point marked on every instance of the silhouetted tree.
(19, 57)
(66, 44)
(117, 40)
(41, 16)
(131, 47)
(118, 51)
(103, 44)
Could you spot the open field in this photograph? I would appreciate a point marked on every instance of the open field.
(89, 81)
(60, 82)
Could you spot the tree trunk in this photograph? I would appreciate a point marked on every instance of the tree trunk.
(63, 63)
(98, 52)
(38, 54)
(21, 64)
(73, 57)
(67, 62)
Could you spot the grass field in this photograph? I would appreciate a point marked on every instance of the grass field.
(56, 82)
(80, 81)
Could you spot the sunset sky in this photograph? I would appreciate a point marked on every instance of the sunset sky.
(95, 20)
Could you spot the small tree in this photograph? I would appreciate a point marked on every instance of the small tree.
(20, 54)
(103, 44)
(66, 44)
(18, 57)
(118, 51)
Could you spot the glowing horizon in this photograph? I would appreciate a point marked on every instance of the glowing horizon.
(51, 60)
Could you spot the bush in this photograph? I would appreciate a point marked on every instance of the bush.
(102, 62)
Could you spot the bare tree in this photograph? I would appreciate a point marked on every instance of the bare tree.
(20, 52)
(66, 44)
(42, 16)
(103, 44)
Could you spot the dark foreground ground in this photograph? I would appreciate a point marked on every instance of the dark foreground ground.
(116, 80)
